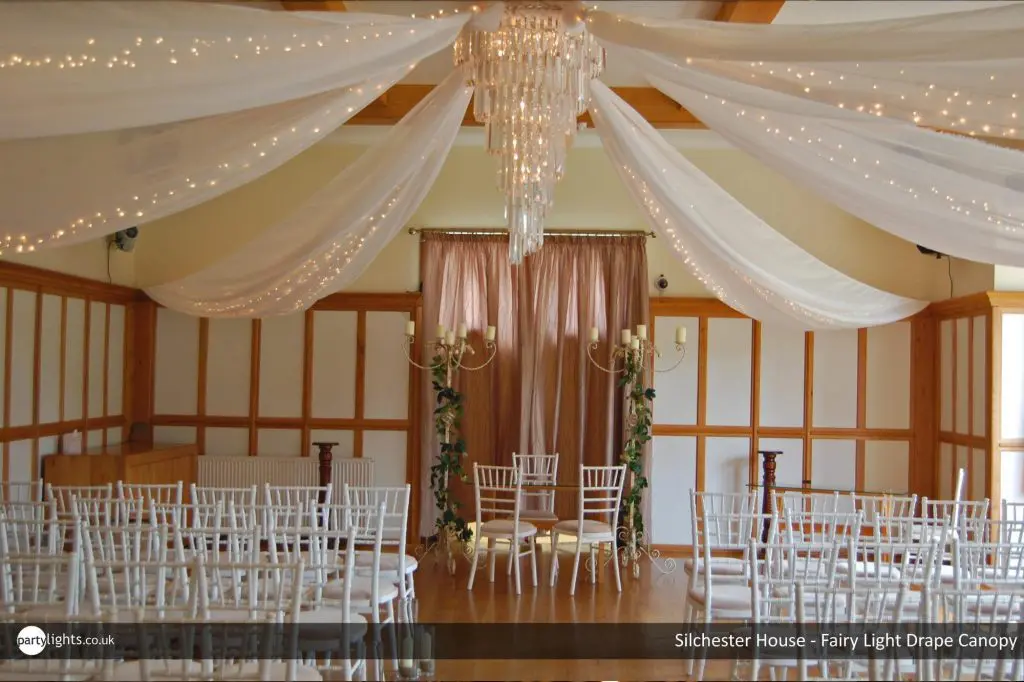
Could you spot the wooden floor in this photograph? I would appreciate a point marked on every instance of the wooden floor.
(652, 598)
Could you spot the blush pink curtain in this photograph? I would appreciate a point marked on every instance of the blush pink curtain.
(540, 394)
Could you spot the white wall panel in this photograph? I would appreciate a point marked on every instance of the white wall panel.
(115, 368)
(1011, 478)
(20, 467)
(963, 363)
(97, 353)
(387, 449)
(887, 466)
(729, 348)
(282, 343)
(223, 442)
(979, 427)
(726, 465)
(115, 435)
(946, 369)
(888, 377)
(74, 358)
(677, 390)
(782, 376)
(387, 372)
(344, 439)
(673, 476)
(835, 378)
(49, 360)
(946, 461)
(3, 340)
(789, 471)
(23, 348)
(48, 445)
(228, 363)
(174, 435)
(176, 363)
(1012, 412)
(976, 479)
(93, 439)
(334, 364)
(279, 443)
(834, 464)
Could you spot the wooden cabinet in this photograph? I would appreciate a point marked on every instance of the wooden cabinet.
(141, 463)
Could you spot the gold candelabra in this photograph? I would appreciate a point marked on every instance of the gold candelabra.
(450, 349)
(638, 352)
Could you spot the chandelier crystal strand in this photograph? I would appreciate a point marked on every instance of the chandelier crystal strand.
(532, 78)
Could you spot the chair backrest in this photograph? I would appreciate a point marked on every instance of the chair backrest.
(290, 495)
(721, 515)
(966, 518)
(396, 508)
(170, 493)
(28, 581)
(887, 562)
(21, 491)
(885, 505)
(995, 565)
(815, 527)
(809, 503)
(63, 494)
(537, 470)
(498, 492)
(601, 493)
(201, 494)
(1012, 511)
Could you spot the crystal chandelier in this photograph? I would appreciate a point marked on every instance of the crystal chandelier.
(532, 78)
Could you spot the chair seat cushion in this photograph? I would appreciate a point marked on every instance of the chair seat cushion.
(869, 569)
(728, 597)
(353, 627)
(719, 566)
(388, 562)
(505, 527)
(362, 590)
(590, 527)
(537, 515)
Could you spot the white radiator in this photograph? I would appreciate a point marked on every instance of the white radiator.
(242, 472)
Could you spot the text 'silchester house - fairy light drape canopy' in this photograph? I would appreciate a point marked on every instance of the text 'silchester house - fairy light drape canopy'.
(119, 113)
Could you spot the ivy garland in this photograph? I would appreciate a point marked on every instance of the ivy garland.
(447, 424)
(638, 434)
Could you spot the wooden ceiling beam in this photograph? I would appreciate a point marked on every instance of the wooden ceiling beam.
(315, 6)
(749, 11)
(659, 110)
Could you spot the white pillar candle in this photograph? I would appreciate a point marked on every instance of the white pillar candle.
(463, 332)
(641, 331)
(410, 328)
(625, 337)
(635, 344)
(440, 331)
(593, 335)
(680, 335)
(449, 338)
(489, 336)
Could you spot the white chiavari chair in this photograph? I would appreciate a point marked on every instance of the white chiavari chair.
(824, 607)
(874, 506)
(290, 495)
(344, 655)
(398, 566)
(715, 513)
(121, 566)
(538, 505)
(596, 522)
(98, 511)
(996, 565)
(210, 495)
(32, 527)
(1012, 511)
(977, 610)
(28, 594)
(169, 493)
(266, 605)
(499, 498)
(21, 491)
(966, 518)
(64, 495)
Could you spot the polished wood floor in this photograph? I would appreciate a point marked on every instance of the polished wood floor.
(651, 598)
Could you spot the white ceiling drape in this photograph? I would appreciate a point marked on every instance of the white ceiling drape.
(329, 241)
(950, 193)
(740, 258)
(78, 67)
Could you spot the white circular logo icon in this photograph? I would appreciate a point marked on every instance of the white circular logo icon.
(31, 641)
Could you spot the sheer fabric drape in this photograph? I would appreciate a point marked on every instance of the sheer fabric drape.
(541, 394)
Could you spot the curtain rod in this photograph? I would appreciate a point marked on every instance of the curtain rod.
(484, 232)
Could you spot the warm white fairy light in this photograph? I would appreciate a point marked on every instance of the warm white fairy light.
(953, 198)
(258, 155)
